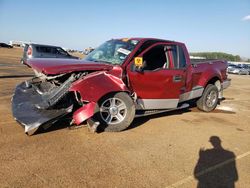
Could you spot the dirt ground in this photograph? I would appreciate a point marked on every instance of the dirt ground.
(157, 151)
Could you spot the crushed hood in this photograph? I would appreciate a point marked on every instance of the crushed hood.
(53, 66)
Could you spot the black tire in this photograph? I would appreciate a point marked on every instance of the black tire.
(209, 99)
(128, 113)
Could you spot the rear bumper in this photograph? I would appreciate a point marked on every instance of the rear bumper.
(226, 84)
(25, 112)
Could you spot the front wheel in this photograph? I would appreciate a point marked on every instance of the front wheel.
(115, 112)
(209, 99)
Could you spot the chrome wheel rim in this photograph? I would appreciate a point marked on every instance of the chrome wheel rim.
(113, 111)
(211, 98)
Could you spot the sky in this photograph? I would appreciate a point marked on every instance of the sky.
(203, 25)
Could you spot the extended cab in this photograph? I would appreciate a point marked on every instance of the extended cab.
(118, 81)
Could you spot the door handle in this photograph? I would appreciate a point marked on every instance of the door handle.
(177, 78)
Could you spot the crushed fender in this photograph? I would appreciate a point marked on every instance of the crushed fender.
(84, 113)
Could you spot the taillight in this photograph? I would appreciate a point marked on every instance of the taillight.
(29, 51)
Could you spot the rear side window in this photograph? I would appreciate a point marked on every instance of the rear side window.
(178, 56)
(43, 49)
(51, 50)
(182, 59)
(61, 51)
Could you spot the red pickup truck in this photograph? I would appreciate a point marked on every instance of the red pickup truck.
(118, 81)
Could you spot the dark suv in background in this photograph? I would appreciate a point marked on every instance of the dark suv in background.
(4, 45)
(44, 51)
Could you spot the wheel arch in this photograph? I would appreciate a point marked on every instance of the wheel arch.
(112, 93)
(214, 81)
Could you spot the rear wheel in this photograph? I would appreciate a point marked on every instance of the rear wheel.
(115, 112)
(209, 99)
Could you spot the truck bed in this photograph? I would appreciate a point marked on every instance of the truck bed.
(201, 61)
(207, 68)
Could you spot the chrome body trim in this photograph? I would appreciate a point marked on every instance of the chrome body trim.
(152, 112)
(195, 93)
(150, 104)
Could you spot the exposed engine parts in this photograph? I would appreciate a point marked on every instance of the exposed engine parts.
(53, 89)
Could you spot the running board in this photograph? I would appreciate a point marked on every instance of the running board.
(152, 112)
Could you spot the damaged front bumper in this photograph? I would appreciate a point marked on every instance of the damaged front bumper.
(45, 99)
(33, 109)
(25, 111)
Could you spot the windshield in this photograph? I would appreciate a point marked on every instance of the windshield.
(113, 51)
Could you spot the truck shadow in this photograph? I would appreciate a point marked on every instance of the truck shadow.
(141, 120)
(192, 108)
(62, 124)
(216, 167)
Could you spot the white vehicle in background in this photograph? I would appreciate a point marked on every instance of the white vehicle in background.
(246, 67)
(32, 51)
(88, 50)
(238, 69)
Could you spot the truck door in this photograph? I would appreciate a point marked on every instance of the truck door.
(161, 79)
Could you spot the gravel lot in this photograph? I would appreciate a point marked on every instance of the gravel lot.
(157, 151)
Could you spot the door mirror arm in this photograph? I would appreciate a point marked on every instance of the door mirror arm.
(140, 68)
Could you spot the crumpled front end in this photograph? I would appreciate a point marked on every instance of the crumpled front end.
(42, 102)
(28, 114)
(45, 99)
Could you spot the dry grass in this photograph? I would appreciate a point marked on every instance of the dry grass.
(12, 55)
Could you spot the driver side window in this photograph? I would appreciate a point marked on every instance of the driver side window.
(155, 58)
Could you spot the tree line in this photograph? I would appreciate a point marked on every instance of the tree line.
(218, 55)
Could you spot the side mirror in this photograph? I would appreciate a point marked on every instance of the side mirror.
(139, 64)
